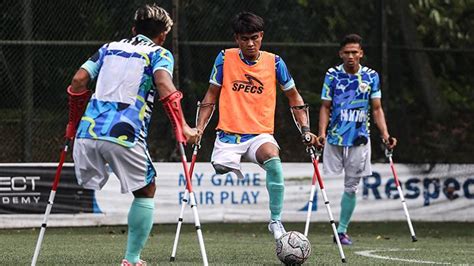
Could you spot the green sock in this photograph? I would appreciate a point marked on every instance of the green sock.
(275, 186)
(140, 222)
(348, 203)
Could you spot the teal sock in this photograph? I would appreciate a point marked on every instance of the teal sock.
(348, 203)
(140, 222)
(275, 186)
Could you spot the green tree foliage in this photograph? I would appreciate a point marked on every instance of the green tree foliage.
(304, 33)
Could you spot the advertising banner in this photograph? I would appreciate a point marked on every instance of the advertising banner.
(441, 192)
(25, 188)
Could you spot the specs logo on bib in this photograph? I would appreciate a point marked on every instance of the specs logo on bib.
(251, 85)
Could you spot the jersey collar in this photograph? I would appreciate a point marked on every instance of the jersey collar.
(341, 66)
(144, 38)
(249, 62)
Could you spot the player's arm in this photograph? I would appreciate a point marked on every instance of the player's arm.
(80, 80)
(88, 71)
(295, 99)
(296, 102)
(324, 112)
(325, 109)
(170, 98)
(300, 113)
(212, 95)
(163, 83)
(207, 105)
(379, 119)
(78, 97)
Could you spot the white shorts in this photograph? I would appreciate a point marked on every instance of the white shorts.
(229, 155)
(354, 161)
(132, 166)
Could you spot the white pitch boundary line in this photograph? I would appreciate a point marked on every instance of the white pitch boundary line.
(368, 253)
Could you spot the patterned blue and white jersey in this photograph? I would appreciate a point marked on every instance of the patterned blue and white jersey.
(350, 95)
(120, 109)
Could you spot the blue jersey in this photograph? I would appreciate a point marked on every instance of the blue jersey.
(120, 108)
(350, 96)
(282, 74)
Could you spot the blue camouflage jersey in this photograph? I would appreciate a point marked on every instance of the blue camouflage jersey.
(120, 108)
(283, 77)
(350, 96)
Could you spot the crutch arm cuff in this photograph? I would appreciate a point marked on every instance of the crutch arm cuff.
(77, 104)
(172, 105)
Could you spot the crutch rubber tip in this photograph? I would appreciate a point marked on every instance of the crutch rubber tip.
(413, 239)
(172, 259)
(343, 260)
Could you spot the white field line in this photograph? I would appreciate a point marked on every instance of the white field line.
(368, 253)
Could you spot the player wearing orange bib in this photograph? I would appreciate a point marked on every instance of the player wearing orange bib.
(244, 81)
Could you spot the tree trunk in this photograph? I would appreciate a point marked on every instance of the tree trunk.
(420, 64)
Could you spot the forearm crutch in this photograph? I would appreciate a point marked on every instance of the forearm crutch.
(315, 154)
(388, 154)
(52, 194)
(192, 198)
(172, 106)
(77, 102)
(184, 200)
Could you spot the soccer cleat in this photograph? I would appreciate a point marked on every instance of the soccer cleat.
(344, 238)
(276, 228)
(139, 263)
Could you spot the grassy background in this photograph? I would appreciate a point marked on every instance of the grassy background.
(241, 244)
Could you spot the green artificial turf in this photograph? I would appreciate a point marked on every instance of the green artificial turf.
(244, 244)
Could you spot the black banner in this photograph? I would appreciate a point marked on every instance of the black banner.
(26, 189)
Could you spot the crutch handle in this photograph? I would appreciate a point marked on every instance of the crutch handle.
(317, 151)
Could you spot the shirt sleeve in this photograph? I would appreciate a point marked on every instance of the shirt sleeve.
(375, 90)
(94, 63)
(163, 60)
(283, 75)
(217, 70)
(327, 91)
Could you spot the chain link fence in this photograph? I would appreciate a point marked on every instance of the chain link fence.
(43, 42)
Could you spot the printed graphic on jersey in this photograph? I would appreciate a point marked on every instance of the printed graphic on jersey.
(350, 109)
(120, 109)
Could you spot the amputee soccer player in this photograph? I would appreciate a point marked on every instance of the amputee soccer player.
(114, 127)
(348, 93)
(244, 80)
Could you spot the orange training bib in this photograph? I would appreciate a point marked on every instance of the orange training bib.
(248, 94)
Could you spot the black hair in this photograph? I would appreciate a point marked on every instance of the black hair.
(351, 38)
(152, 20)
(247, 22)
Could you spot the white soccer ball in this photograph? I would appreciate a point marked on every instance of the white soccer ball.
(293, 248)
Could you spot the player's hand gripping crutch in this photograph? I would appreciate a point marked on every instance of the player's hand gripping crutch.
(77, 104)
(172, 106)
(388, 154)
(315, 154)
(185, 198)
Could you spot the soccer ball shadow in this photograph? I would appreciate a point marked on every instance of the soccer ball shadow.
(293, 248)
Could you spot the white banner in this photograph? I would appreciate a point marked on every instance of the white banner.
(439, 192)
